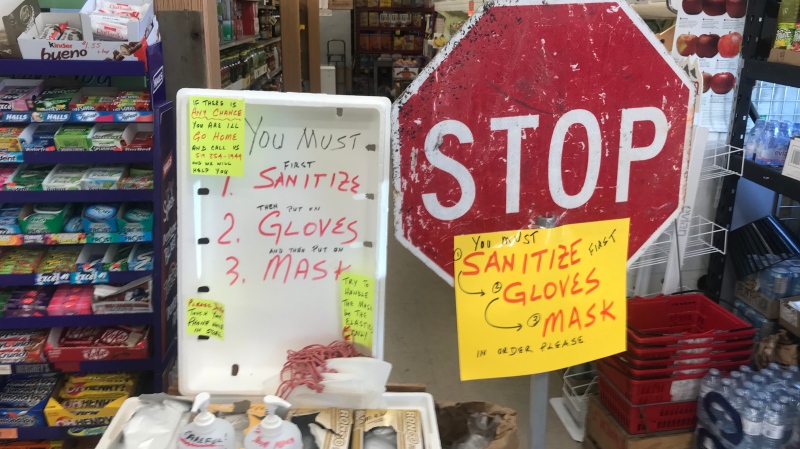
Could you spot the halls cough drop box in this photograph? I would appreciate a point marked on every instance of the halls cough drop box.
(313, 203)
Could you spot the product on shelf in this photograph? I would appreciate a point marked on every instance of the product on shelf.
(74, 344)
(65, 177)
(90, 400)
(131, 100)
(74, 137)
(29, 301)
(28, 177)
(91, 258)
(100, 217)
(22, 346)
(44, 218)
(15, 94)
(71, 300)
(55, 99)
(40, 137)
(21, 260)
(90, 102)
(9, 138)
(142, 141)
(141, 258)
(135, 217)
(60, 259)
(108, 136)
(9, 219)
(134, 297)
(117, 256)
(6, 170)
(103, 177)
(23, 398)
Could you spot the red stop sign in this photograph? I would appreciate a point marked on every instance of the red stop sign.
(572, 108)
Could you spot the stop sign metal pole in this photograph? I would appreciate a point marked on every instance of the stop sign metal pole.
(539, 382)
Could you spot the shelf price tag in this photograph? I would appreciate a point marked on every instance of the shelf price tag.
(9, 434)
(538, 300)
(205, 317)
(216, 136)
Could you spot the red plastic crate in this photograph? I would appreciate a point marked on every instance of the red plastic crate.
(651, 391)
(671, 371)
(688, 360)
(638, 419)
(673, 351)
(683, 319)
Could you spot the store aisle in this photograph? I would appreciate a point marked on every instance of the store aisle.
(421, 342)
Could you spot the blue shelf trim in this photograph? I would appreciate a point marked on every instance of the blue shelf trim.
(56, 433)
(114, 277)
(80, 196)
(66, 68)
(86, 117)
(82, 157)
(40, 322)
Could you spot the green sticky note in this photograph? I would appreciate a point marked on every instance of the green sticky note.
(358, 308)
(205, 317)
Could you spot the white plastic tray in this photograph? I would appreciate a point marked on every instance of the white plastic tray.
(423, 402)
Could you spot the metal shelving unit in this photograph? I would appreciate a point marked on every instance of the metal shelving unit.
(759, 32)
(163, 319)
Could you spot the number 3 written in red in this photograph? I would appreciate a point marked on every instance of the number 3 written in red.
(233, 270)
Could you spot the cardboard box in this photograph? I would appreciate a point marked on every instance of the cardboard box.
(784, 56)
(606, 433)
(790, 316)
(136, 29)
(55, 353)
(745, 291)
(340, 4)
(791, 168)
(405, 73)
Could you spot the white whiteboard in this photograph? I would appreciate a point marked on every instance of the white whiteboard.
(271, 309)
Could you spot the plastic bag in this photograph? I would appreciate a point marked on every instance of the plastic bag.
(482, 431)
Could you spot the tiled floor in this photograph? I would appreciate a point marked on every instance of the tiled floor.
(420, 341)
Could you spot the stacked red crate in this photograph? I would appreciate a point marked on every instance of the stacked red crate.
(672, 342)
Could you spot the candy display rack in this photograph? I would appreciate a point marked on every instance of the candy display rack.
(156, 370)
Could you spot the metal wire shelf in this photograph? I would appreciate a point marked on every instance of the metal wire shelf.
(718, 164)
(702, 234)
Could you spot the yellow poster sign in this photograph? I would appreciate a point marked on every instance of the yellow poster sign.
(538, 300)
(216, 136)
(205, 317)
(358, 308)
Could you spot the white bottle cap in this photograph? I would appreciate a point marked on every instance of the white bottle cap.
(272, 422)
(204, 418)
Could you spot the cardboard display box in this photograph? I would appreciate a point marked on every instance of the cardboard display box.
(790, 317)
(784, 56)
(604, 432)
(770, 308)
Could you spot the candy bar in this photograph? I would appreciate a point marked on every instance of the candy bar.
(71, 34)
(109, 27)
(22, 335)
(21, 400)
(86, 377)
(86, 403)
(120, 9)
(79, 336)
(53, 32)
(122, 336)
(95, 391)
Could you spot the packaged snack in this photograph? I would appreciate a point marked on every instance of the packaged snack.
(9, 220)
(100, 217)
(120, 9)
(29, 177)
(9, 138)
(136, 217)
(73, 137)
(65, 177)
(132, 100)
(56, 99)
(109, 27)
(93, 103)
(29, 301)
(138, 178)
(53, 31)
(23, 335)
(71, 300)
(108, 136)
(21, 260)
(85, 377)
(374, 19)
(131, 298)
(95, 391)
(141, 258)
(43, 138)
(118, 256)
(15, 94)
(142, 141)
(73, 225)
(401, 429)
(80, 336)
(59, 259)
(47, 218)
(103, 177)
(6, 170)
(86, 403)
(71, 34)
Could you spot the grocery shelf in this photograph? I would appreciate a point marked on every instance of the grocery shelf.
(40, 322)
(68, 196)
(82, 157)
(48, 433)
(772, 72)
(418, 29)
(96, 68)
(768, 177)
(97, 366)
(269, 41)
(390, 52)
(108, 277)
(243, 40)
(398, 9)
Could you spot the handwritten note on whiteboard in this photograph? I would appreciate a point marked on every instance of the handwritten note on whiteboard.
(205, 317)
(537, 300)
(358, 308)
(216, 136)
(274, 244)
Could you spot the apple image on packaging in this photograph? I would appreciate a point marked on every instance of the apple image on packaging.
(729, 45)
(692, 7)
(686, 44)
(722, 82)
(706, 81)
(714, 7)
(736, 8)
(707, 45)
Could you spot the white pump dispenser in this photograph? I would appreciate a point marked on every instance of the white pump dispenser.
(273, 432)
(206, 430)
